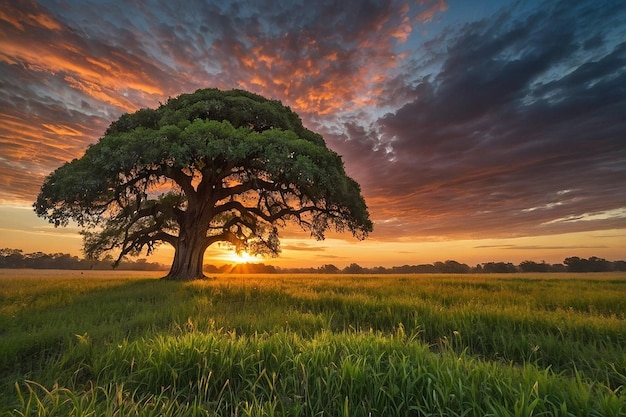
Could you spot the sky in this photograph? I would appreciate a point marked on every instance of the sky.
(479, 130)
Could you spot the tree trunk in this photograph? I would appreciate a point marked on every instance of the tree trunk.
(188, 258)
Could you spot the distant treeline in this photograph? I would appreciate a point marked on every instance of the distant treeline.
(15, 258)
(572, 264)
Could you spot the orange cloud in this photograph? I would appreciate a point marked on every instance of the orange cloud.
(432, 9)
(100, 93)
(403, 31)
(323, 72)
(17, 18)
(258, 80)
(62, 130)
(316, 70)
(61, 52)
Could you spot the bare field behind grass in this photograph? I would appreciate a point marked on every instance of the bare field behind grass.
(126, 344)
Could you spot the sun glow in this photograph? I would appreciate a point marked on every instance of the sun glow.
(242, 257)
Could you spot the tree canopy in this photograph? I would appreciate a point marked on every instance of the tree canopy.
(208, 167)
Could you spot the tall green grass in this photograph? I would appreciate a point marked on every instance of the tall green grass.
(314, 345)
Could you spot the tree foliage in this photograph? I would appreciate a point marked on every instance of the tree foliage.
(208, 167)
(593, 264)
(16, 258)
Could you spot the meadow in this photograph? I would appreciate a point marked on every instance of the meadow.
(127, 344)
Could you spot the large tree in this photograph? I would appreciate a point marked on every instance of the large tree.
(208, 167)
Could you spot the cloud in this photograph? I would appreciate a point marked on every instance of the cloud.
(61, 90)
(69, 70)
(322, 59)
(522, 126)
(87, 65)
(539, 247)
(303, 246)
(510, 125)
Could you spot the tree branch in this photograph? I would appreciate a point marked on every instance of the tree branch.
(142, 239)
(184, 181)
(227, 236)
(283, 212)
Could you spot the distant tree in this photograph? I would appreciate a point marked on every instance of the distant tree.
(498, 267)
(14, 258)
(574, 264)
(328, 269)
(208, 167)
(451, 267)
(402, 269)
(423, 268)
(11, 258)
(38, 260)
(619, 266)
(212, 269)
(593, 264)
(379, 270)
(600, 264)
(530, 266)
(354, 268)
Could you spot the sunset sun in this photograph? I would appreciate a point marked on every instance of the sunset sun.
(242, 257)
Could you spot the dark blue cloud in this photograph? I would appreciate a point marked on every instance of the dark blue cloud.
(521, 131)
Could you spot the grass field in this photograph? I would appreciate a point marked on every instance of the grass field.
(126, 344)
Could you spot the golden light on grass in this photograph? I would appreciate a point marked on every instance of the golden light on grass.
(541, 342)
